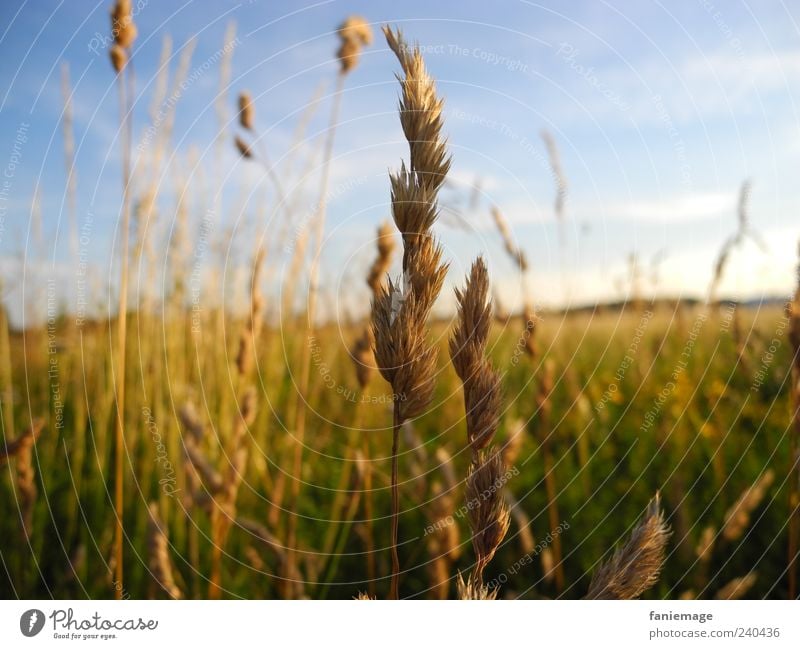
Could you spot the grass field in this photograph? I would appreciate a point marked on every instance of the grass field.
(623, 427)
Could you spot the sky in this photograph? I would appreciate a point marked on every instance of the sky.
(660, 110)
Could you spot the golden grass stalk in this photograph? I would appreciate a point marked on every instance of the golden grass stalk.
(544, 434)
(517, 256)
(14, 447)
(223, 513)
(69, 159)
(514, 252)
(704, 550)
(264, 535)
(740, 341)
(467, 589)
(558, 174)
(793, 309)
(353, 32)
(21, 449)
(364, 361)
(246, 110)
(399, 314)
(743, 231)
(363, 596)
(124, 33)
(246, 355)
(737, 588)
(123, 29)
(242, 147)
(247, 119)
(635, 566)
(487, 512)
(527, 542)
(444, 542)
(158, 548)
(6, 374)
(737, 518)
(705, 546)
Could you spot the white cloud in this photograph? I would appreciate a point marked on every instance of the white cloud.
(686, 207)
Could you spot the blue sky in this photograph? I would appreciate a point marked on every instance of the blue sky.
(660, 111)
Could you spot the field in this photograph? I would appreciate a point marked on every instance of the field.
(715, 430)
(190, 450)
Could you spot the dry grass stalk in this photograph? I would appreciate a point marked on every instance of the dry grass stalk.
(250, 333)
(635, 566)
(254, 558)
(743, 231)
(363, 596)
(124, 33)
(385, 242)
(14, 447)
(705, 545)
(22, 450)
(364, 360)
(444, 542)
(527, 542)
(529, 331)
(69, 159)
(793, 309)
(247, 118)
(376, 278)
(119, 58)
(514, 251)
(399, 314)
(264, 535)
(544, 434)
(247, 110)
(467, 589)
(123, 29)
(488, 514)
(223, 512)
(740, 341)
(158, 547)
(243, 148)
(213, 490)
(558, 174)
(737, 518)
(352, 31)
(354, 34)
(737, 588)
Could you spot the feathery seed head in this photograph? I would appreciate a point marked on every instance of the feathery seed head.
(636, 565)
(420, 115)
(468, 343)
(123, 29)
(354, 34)
(243, 147)
(118, 57)
(469, 589)
(379, 268)
(246, 110)
(158, 547)
(402, 354)
(363, 357)
(356, 28)
(737, 518)
(487, 512)
(483, 402)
